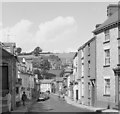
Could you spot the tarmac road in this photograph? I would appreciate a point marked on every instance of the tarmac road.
(54, 104)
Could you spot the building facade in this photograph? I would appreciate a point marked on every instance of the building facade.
(25, 74)
(46, 85)
(86, 72)
(107, 58)
(75, 77)
(8, 71)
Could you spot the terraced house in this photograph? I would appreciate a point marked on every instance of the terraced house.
(25, 73)
(86, 73)
(8, 74)
(108, 59)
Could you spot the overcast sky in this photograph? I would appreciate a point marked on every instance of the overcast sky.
(53, 26)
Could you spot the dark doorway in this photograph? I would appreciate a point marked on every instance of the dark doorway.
(5, 85)
(76, 94)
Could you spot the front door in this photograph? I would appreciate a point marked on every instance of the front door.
(4, 80)
(76, 94)
(5, 85)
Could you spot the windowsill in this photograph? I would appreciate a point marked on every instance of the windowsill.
(106, 66)
(107, 41)
(106, 95)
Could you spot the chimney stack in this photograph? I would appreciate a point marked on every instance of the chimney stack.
(111, 9)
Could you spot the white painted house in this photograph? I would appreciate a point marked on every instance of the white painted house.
(45, 85)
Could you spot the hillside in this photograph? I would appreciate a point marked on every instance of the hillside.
(65, 57)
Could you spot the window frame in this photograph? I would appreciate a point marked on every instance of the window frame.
(107, 35)
(88, 49)
(106, 92)
(106, 57)
(82, 87)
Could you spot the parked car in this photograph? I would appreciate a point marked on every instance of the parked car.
(43, 96)
(46, 95)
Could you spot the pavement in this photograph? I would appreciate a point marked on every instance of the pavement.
(93, 109)
(69, 101)
(25, 108)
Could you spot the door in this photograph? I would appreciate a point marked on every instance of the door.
(76, 94)
(5, 85)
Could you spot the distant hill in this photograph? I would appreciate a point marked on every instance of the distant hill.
(60, 55)
(69, 55)
(65, 57)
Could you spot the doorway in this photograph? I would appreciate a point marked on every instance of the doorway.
(5, 85)
(76, 94)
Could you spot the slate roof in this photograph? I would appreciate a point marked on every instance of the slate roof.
(115, 18)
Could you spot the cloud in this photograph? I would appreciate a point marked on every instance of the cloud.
(58, 34)
(19, 33)
(52, 29)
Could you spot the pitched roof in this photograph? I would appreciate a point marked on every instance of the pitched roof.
(89, 41)
(5, 53)
(109, 22)
(46, 81)
(75, 55)
(55, 72)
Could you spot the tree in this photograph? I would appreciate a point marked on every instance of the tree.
(37, 50)
(42, 64)
(37, 71)
(55, 61)
(19, 50)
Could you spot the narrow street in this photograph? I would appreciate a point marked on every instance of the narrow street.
(71, 49)
(54, 104)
